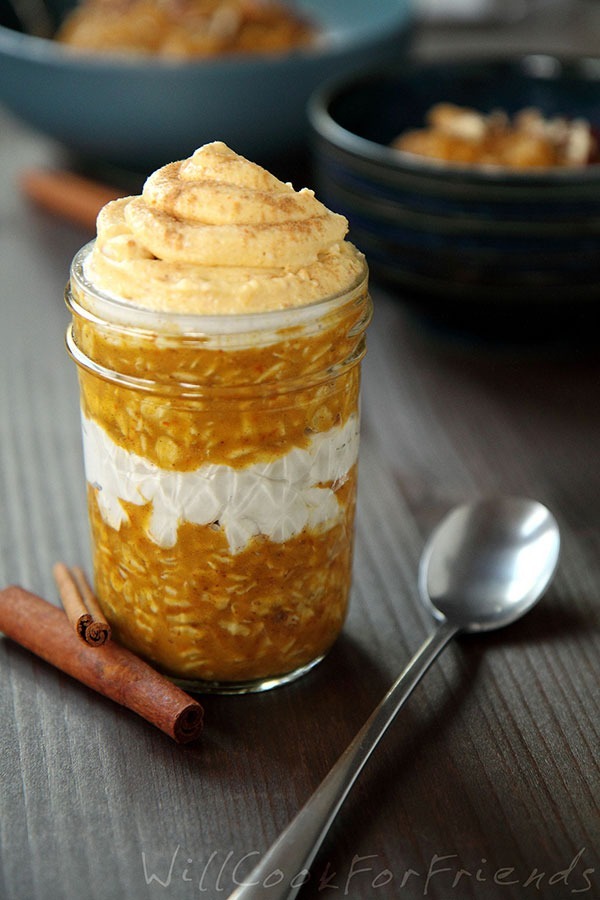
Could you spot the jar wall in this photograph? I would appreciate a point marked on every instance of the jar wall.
(221, 489)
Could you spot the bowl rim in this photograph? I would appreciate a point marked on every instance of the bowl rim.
(42, 50)
(402, 161)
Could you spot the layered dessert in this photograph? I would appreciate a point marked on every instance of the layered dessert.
(218, 325)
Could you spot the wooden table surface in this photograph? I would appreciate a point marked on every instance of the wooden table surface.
(487, 786)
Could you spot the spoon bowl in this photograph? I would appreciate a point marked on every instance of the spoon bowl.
(487, 563)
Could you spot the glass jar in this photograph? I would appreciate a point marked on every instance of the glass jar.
(221, 462)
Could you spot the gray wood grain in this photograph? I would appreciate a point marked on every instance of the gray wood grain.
(493, 766)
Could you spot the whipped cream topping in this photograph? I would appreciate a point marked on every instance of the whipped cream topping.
(276, 499)
(216, 233)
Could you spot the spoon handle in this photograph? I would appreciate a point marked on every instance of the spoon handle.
(285, 866)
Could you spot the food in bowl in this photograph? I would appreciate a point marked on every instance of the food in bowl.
(185, 28)
(218, 327)
(460, 134)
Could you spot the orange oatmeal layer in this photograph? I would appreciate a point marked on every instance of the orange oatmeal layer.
(197, 611)
(239, 427)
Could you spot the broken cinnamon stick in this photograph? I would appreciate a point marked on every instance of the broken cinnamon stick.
(87, 594)
(77, 613)
(67, 195)
(110, 670)
(80, 605)
(98, 631)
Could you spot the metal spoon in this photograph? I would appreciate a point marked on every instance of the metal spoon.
(484, 566)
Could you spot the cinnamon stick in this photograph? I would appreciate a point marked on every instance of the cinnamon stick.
(77, 613)
(87, 594)
(110, 670)
(67, 195)
(80, 604)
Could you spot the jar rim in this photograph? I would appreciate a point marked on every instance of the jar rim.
(111, 308)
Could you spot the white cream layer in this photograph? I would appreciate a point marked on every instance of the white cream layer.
(276, 499)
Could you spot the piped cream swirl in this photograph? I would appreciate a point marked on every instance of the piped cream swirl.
(216, 233)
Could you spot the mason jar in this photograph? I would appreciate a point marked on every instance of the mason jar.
(221, 464)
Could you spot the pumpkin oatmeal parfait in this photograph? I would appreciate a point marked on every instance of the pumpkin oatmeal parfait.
(218, 323)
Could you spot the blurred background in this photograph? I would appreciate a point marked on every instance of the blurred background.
(516, 26)
(139, 111)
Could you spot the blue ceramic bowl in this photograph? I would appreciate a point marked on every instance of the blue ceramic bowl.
(510, 254)
(141, 113)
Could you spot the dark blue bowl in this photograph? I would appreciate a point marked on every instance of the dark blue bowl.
(512, 254)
